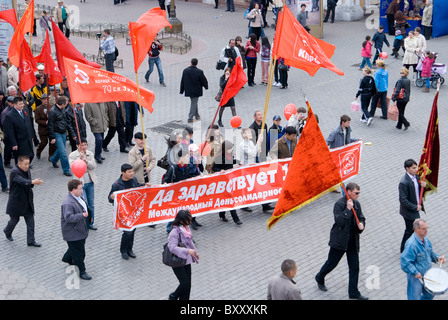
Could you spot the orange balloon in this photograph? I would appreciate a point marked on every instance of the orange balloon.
(236, 121)
(289, 110)
(204, 149)
(79, 168)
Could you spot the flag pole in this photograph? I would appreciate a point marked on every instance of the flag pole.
(141, 117)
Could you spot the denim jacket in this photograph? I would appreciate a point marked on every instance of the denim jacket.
(417, 256)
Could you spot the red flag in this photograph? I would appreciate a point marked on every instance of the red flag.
(64, 48)
(89, 84)
(311, 173)
(10, 17)
(54, 74)
(237, 80)
(143, 32)
(428, 167)
(25, 25)
(27, 67)
(300, 49)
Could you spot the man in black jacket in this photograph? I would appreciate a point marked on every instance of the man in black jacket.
(126, 181)
(58, 124)
(344, 238)
(19, 130)
(21, 201)
(192, 82)
(409, 195)
(331, 7)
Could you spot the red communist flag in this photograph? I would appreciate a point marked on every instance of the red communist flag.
(300, 49)
(429, 160)
(89, 84)
(27, 67)
(64, 48)
(25, 25)
(311, 172)
(9, 16)
(143, 32)
(237, 80)
(54, 74)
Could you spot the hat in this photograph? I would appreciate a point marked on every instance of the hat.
(277, 117)
(193, 147)
(40, 67)
(44, 96)
(139, 135)
(10, 99)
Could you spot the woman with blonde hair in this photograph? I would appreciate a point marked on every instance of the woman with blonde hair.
(403, 85)
(410, 58)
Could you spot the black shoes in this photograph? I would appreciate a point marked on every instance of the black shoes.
(85, 276)
(8, 237)
(55, 165)
(34, 244)
(359, 297)
(247, 209)
(127, 255)
(105, 149)
(267, 207)
(124, 151)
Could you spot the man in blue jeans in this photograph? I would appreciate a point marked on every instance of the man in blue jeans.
(58, 124)
(416, 260)
(154, 58)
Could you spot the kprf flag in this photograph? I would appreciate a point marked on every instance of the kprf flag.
(299, 48)
(54, 74)
(143, 32)
(25, 25)
(237, 80)
(64, 48)
(311, 173)
(10, 17)
(429, 160)
(27, 67)
(89, 84)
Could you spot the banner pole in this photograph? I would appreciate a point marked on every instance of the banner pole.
(141, 117)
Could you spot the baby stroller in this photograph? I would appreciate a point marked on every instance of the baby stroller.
(437, 70)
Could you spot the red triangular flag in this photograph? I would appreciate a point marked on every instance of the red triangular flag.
(237, 80)
(10, 17)
(143, 32)
(64, 48)
(54, 73)
(311, 172)
(300, 49)
(25, 25)
(27, 67)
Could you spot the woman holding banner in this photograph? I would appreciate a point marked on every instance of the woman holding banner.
(180, 243)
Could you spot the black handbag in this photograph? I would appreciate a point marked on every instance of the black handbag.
(220, 65)
(218, 95)
(170, 259)
(163, 162)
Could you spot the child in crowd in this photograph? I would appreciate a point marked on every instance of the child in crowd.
(427, 62)
(366, 53)
(378, 39)
(397, 43)
(265, 55)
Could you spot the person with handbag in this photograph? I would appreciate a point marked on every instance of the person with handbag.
(252, 49)
(401, 95)
(44, 23)
(231, 103)
(181, 244)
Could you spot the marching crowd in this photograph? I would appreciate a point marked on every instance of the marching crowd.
(44, 116)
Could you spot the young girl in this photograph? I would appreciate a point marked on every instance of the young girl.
(265, 56)
(366, 53)
(427, 61)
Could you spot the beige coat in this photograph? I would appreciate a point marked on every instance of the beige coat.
(97, 115)
(90, 161)
(427, 16)
(135, 160)
(411, 46)
(258, 18)
(58, 14)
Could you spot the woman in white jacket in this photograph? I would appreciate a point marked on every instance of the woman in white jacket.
(410, 57)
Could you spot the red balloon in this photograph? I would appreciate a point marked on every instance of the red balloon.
(384, 55)
(236, 121)
(79, 168)
(290, 109)
(204, 149)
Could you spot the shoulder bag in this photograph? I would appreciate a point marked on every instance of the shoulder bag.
(170, 259)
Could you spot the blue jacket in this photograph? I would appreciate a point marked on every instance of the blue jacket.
(336, 138)
(382, 79)
(417, 256)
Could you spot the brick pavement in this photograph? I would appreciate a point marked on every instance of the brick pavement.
(236, 261)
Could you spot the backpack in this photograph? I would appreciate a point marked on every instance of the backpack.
(116, 53)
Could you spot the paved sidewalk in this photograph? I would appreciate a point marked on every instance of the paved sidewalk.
(236, 261)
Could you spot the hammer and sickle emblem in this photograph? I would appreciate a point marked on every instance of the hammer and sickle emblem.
(84, 77)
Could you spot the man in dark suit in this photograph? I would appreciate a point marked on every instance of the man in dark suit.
(117, 124)
(192, 82)
(20, 201)
(75, 221)
(409, 195)
(19, 130)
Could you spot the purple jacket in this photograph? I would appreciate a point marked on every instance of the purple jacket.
(187, 242)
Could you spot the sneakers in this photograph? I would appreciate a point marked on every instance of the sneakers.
(163, 84)
(369, 121)
(363, 120)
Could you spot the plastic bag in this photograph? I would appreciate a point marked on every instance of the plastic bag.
(355, 105)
